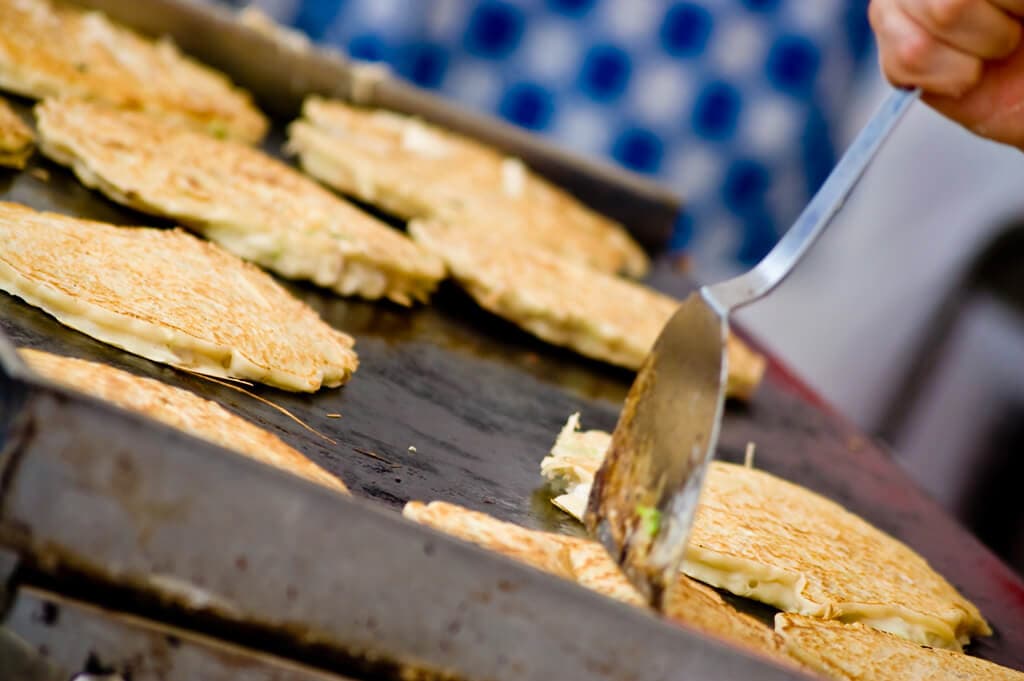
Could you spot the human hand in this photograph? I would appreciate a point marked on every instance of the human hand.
(966, 55)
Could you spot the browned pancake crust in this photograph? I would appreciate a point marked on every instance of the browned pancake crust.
(853, 652)
(834, 563)
(587, 563)
(416, 170)
(171, 297)
(50, 48)
(16, 138)
(542, 550)
(564, 303)
(253, 205)
(179, 409)
(688, 602)
(770, 540)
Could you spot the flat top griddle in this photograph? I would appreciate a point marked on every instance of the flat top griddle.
(481, 403)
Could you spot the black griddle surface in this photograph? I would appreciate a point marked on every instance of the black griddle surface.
(481, 402)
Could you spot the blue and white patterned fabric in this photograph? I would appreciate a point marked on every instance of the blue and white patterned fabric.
(734, 103)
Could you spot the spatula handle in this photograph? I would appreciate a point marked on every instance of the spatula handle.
(769, 273)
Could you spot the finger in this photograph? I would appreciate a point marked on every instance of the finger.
(1014, 7)
(995, 107)
(911, 57)
(977, 27)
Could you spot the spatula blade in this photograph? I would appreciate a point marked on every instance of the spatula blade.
(645, 494)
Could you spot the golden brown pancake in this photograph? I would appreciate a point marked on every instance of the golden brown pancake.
(179, 409)
(169, 297)
(853, 652)
(588, 564)
(16, 139)
(689, 601)
(565, 303)
(418, 171)
(49, 48)
(542, 550)
(761, 537)
(253, 205)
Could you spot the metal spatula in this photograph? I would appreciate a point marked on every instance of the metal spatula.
(644, 496)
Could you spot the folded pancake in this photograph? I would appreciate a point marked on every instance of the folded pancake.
(50, 48)
(853, 652)
(16, 139)
(761, 537)
(587, 563)
(564, 303)
(169, 297)
(254, 206)
(179, 409)
(418, 171)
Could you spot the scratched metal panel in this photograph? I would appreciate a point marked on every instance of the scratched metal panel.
(72, 638)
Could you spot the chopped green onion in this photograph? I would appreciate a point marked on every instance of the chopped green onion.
(650, 520)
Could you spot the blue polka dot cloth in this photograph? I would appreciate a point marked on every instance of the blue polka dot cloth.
(733, 103)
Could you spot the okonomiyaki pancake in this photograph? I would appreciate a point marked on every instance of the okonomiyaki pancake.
(588, 564)
(565, 303)
(543, 550)
(767, 539)
(170, 297)
(16, 138)
(179, 409)
(253, 205)
(759, 536)
(50, 48)
(689, 601)
(854, 652)
(415, 170)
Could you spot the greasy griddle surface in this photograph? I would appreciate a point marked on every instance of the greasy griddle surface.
(482, 401)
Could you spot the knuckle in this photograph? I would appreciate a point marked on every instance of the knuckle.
(947, 15)
(895, 72)
(913, 50)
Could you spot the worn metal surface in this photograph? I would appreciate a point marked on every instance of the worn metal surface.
(481, 401)
(76, 638)
(282, 76)
(241, 549)
(18, 659)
